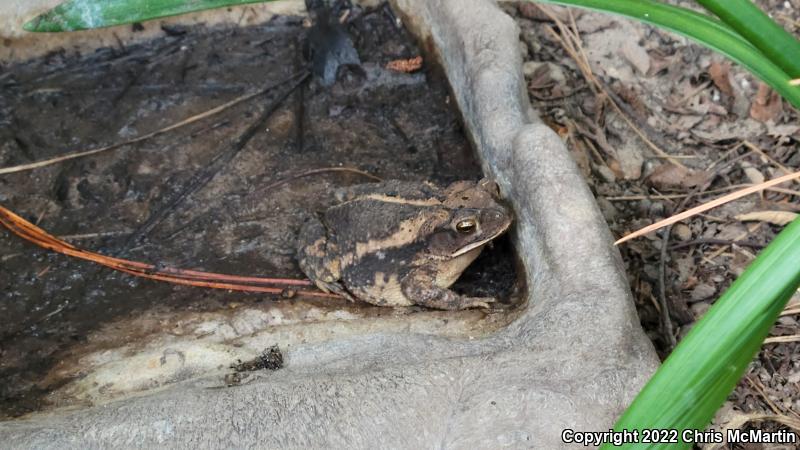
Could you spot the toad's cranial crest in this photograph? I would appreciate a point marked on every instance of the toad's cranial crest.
(399, 243)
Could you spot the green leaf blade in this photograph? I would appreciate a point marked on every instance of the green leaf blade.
(703, 369)
(750, 22)
(74, 15)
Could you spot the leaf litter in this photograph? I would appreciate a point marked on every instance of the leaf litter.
(686, 114)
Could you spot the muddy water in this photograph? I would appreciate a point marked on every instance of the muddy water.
(388, 124)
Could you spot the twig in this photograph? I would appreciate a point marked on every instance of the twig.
(666, 322)
(78, 237)
(790, 311)
(756, 384)
(629, 198)
(777, 339)
(713, 241)
(182, 123)
(316, 172)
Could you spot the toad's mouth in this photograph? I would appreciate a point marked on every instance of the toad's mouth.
(480, 243)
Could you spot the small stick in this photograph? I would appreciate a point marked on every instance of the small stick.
(666, 322)
(315, 172)
(756, 384)
(777, 339)
(713, 241)
(627, 198)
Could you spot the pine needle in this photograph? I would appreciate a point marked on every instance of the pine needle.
(709, 205)
(38, 236)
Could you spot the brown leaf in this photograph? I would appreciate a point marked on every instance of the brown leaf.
(682, 232)
(405, 65)
(773, 217)
(702, 291)
(670, 176)
(539, 75)
(767, 105)
(719, 72)
(754, 175)
(660, 61)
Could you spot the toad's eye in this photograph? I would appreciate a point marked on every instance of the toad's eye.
(466, 226)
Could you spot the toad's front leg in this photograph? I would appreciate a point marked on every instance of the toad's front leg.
(420, 287)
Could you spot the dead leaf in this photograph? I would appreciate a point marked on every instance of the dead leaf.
(405, 65)
(782, 132)
(682, 232)
(719, 72)
(754, 175)
(659, 61)
(670, 176)
(767, 105)
(702, 291)
(774, 217)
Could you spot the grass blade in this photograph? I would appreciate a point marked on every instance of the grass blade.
(703, 29)
(750, 22)
(75, 15)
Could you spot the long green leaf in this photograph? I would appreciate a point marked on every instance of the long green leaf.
(703, 29)
(86, 14)
(749, 21)
(703, 369)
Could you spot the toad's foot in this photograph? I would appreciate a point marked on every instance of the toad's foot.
(419, 287)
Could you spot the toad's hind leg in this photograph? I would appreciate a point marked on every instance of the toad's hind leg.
(314, 260)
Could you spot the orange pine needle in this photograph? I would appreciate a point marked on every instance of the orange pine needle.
(38, 236)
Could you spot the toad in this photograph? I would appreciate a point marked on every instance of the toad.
(399, 243)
